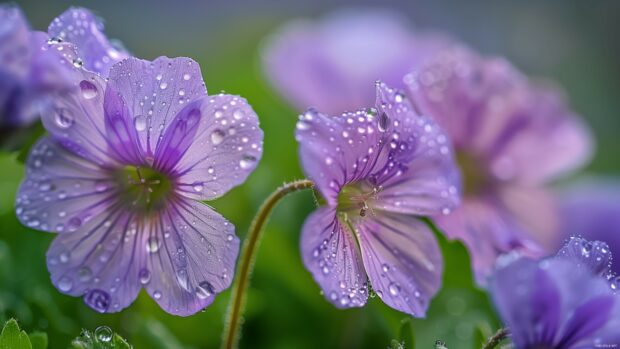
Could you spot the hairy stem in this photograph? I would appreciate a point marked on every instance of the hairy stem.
(499, 336)
(246, 262)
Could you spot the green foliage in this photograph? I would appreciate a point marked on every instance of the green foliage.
(406, 335)
(14, 338)
(38, 340)
(102, 338)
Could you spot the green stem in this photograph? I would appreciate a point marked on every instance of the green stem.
(499, 336)
(246, 262)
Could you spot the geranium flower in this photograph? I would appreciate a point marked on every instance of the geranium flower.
(120, 178)
(378, 170)
(559, 303)
(511, 137)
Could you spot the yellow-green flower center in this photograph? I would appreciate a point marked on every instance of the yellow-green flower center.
(472, 173)
(143, 188)
(356, 198)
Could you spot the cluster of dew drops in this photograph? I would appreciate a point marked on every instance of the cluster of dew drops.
(595, 255)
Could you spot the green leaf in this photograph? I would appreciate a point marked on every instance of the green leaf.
(101, 338)
(13, 338)
(406, 335)
(394, 344)
(38, 340)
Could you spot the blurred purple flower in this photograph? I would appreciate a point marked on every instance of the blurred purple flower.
(81, 28)
(511, 138)
(328, 63)
(378, 170)
(557, 302)
(120, 178)
(591, 209)
(33, 64)
(29, 72)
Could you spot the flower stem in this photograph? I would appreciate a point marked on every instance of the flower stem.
(499, 336)
(246, 262)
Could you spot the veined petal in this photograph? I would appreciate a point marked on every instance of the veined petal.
(80, 27)
(331, 254)
(213, 145)
(193, 251)
(15, 49)
(62, 191)
(100, 261)
(121, 135)
(155, 93)
(402, 259)
(594, 255)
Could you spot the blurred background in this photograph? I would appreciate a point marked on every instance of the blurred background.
(574, 43)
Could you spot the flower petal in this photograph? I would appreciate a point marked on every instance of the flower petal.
(80, 27)
(121, 135)
(192, 258)
(61, 191)
(216, 154)
(156, 91)
(15, 49)
(331, 254)
(402, 259)
(100, 261)
(594, 255)
(328, 63)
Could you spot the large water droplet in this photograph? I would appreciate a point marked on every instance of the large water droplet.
(103, 334)
(63, 119)
(394, 289)
(383, 122)
(84, 274)
(97, 299)
(247, 162)
(217, 137)
(89, 90)
(157, 295)
(204, 290)
(145, 276)
(163, 85)
(74, 223)
(198, 187)
(65, 284)
(140, 123)
(152, 245)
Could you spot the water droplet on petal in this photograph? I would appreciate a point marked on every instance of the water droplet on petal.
(140, 123)
(74, 223)
(63, 119)
(65, 284)
(89, 90)
(84, 274)
(383, 122)
(204, 290)
(103, 334)
(152, 245)
(145, 276)
(217, 137)
(394, 289)
(198, 187)
(163, 85)
(247, 162)
(99, 300)
(186, 76)
(157, 295)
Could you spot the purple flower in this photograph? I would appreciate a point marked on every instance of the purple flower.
(81, 28)
(28, 71)
(557, 303)
(328, 63)
(591, 208)
(120, 178)
(511, 138)
(378, 170)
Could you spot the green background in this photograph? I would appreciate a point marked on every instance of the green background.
(572, 42)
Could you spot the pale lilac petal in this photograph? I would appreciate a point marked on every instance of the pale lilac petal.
(330, 253)
(80, 27)
(121, 135)
(402, 259)
(594, 255)
(328, 63)
(193, 251)
(225, 147)
(421, 177)
(551, 143)
(587, 319)
(76, 117)
(488, 230)
(61, 191)
(338, 150)
(15, 49)
(100, 260)
(155, 93)
(531, 312)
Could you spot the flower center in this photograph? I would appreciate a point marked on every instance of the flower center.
(472, 173)
(354, 198)
(144, 188)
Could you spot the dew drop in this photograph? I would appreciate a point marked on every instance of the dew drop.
(204, 290)
(163, 85)
(394, 289)
(140, 123)
(144, 275)
(103, 334)
(217, 137)
(247, 162)
(383, 122)
(152, 245)
(238, 114)
(84, 274)
(198, 187)
(157, 295)
(74, 223)
(65, 284)
(63, 119)
(186, 76)
(89, 90)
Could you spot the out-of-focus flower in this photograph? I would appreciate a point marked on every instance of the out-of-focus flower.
(591, 208)
(511, 138)
(29, 72)
(81, 28)
(328, 63)
(379, 170)
(120, 178)
(558, 302)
